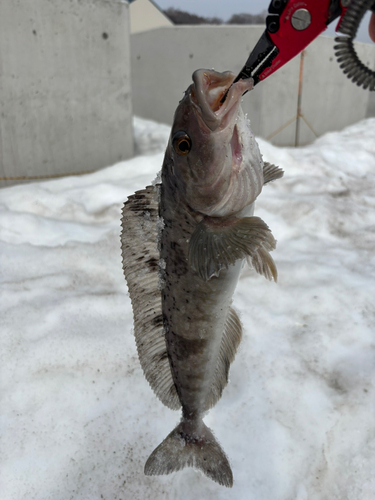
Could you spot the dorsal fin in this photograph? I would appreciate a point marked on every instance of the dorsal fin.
(140, 255)
(271, 172)
(229, 344)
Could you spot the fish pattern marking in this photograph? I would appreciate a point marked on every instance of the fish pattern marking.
(184, 242)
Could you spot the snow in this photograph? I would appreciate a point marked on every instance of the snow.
(297, 419)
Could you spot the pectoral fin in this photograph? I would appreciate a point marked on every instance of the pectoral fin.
(217, 244)
(263, 263)
(271, 172)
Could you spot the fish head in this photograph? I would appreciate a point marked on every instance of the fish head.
(212, 154)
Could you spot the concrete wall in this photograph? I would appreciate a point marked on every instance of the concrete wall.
(164, 59)
(145, 15)
(371, 105)
(65, 104)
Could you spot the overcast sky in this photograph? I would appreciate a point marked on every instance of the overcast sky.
(225, 8)
(219, 8)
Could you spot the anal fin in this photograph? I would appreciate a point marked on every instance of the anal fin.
(231, 340)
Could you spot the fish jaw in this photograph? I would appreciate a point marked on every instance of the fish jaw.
(209, 89)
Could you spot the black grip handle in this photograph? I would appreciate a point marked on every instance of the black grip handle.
(345, 52)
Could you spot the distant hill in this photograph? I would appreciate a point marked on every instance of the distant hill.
(248, 18)
(181, 17)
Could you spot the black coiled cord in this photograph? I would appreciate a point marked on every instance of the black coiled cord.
(344, 50)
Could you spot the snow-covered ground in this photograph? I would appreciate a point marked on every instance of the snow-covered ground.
(298, 417)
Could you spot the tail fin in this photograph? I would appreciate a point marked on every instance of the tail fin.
(191, 444)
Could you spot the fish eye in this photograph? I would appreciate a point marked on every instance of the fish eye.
(181, 143)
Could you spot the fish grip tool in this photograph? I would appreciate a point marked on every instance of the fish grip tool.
(293, 24)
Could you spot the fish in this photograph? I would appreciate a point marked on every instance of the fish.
(185, 239)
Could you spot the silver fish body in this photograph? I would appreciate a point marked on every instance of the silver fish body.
(184, 242)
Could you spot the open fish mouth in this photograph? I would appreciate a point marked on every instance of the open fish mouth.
(208, 90)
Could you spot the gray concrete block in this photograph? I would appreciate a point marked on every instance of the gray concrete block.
(164, 59)
(330, 101)
(65, 103)
(371, 106)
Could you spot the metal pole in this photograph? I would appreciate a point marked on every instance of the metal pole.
(299, 112)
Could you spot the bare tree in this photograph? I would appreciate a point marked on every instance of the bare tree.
(178, 16)
(181, 17)
(244, 18)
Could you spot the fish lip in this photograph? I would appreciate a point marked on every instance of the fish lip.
(208, 89)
